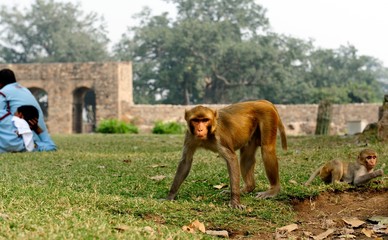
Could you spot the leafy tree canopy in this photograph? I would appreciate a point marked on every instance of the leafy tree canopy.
(51, 31)
(221, 51)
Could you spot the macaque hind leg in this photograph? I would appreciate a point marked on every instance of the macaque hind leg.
(247, 166)
(270, 160)
(333, 169)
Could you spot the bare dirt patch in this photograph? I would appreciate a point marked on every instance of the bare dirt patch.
(328, 212)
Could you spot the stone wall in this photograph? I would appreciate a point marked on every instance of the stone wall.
(111, 82)
(66, 83)
(298, 119)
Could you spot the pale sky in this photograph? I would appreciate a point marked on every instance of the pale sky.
(330, 23)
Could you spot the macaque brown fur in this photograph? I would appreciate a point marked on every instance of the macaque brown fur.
(244, 126)
(358, 172)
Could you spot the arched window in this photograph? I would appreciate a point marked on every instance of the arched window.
(84, 110)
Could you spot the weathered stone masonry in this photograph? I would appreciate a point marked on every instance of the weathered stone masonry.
(298, 119)
(67, 83)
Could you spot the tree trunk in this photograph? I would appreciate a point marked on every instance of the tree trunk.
(324, 118)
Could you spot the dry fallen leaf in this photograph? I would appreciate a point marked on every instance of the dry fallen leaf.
(288, 228)
(293, 182)
(158, 177)
(220, 186)
(367, 232)
(324, 234)
(198, 226)
(354, 222)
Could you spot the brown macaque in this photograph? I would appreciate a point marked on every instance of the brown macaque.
(358, 172)
(244, 126)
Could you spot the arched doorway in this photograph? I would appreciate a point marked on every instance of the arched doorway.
(84, 110)
(42, 98)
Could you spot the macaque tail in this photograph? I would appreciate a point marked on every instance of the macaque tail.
(282, 131)
(312, 177)
(282, 135)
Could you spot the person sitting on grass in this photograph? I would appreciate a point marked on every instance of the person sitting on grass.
(14, 95)
(16, 132)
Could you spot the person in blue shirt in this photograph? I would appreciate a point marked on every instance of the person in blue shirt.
(16, 133)
(12, 96)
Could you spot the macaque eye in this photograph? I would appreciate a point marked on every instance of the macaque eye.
(371, 157)
(200, 120)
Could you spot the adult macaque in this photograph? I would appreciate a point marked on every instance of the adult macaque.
(244, 126)
(358, 172)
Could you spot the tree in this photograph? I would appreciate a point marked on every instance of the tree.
(51, 32)
(182, 61)
(220, 51)
(342, 76)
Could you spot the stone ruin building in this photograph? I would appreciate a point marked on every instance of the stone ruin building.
(75, 97)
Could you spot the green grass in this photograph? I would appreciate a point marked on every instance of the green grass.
(99, 187)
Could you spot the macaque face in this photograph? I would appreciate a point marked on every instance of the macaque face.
(199, 127)
(201, 121)
(371, 161)
(368, 159)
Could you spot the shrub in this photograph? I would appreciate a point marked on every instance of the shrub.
(116, 126)
(168, 128)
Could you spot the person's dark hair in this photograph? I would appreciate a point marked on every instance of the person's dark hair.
(7, 76)
(29, 112)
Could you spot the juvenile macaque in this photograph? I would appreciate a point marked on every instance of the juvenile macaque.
(358, 172)
(244, 126)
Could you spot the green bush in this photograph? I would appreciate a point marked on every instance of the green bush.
(116, 126)
(168, 128)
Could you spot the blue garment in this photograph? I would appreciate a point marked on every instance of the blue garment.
(15, 96)
(10, 141)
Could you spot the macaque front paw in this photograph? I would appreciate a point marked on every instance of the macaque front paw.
(379, 172)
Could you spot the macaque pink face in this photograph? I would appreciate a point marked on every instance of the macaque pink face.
(200, 127)
(201, 121)
(370, 161)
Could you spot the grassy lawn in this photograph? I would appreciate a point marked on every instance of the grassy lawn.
(111, 186)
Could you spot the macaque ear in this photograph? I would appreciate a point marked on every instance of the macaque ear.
(214, 121)
(186, 116)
